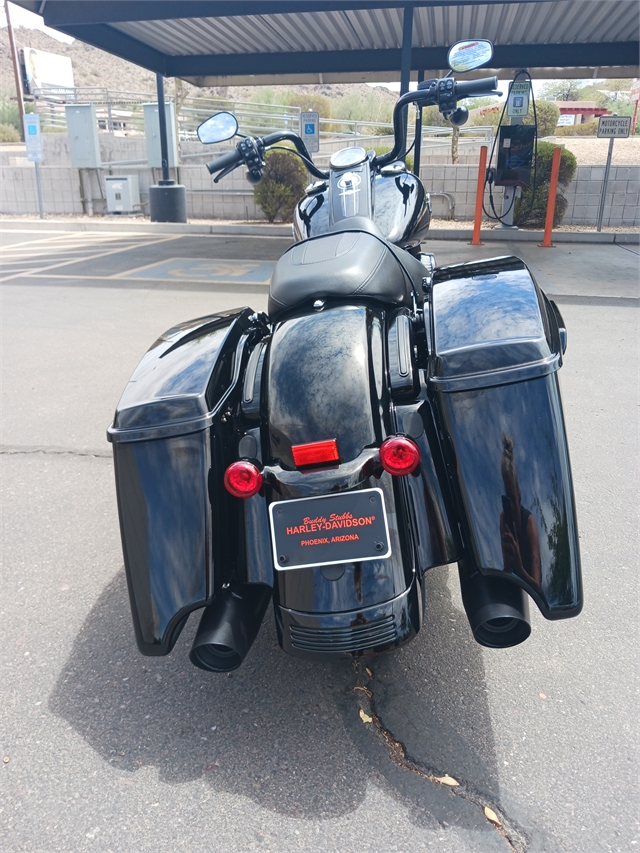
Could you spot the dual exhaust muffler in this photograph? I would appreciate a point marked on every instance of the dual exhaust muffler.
(497, 609)
(229, 626)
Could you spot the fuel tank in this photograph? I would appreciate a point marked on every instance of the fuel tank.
(400, 205)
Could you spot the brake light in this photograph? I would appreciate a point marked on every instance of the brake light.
(315, 453)
(399, 455)
(242, 479)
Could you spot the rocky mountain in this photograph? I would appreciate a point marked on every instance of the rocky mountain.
(94, 67)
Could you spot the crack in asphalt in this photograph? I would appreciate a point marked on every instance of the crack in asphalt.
(27, 450)
(513, 835)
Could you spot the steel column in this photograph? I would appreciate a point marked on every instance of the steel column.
(162, 117)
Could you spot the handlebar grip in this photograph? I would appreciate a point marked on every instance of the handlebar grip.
(223, 162)
(476, 88)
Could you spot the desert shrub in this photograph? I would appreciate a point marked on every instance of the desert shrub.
(318, 103)
(282, 185)
(589, 128)
(568, 164)
(432, 117)
(9, 112)
(8, 133)
(408, 159)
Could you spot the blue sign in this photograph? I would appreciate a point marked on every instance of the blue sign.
(518, 101)
(310, 129)
(33, 138)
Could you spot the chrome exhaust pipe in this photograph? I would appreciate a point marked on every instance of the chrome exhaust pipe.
(228, 627)
(497, 609)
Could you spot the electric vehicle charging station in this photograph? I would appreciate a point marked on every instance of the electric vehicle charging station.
(516, 144)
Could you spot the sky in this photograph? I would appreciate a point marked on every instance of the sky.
(22, 18)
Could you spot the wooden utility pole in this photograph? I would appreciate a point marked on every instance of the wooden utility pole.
(16, 69)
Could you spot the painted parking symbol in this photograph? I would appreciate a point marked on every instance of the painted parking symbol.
(192, 269)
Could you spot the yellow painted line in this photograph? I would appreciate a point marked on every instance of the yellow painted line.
(92, 257)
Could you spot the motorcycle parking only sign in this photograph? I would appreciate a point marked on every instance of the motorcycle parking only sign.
(614, 127)
(310, 130)
(518, 102)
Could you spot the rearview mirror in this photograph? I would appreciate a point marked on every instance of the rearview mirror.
(467, 55)
(217, 128)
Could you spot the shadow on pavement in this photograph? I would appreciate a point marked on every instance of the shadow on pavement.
(287, 733)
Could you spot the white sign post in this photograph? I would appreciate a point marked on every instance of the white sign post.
(33, 141)
(310, 130)
(611, 128)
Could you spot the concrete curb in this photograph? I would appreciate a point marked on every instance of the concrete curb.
(145, 227)
(231, 230)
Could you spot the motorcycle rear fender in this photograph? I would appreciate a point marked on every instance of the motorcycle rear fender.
(182, 533)
(327, 377)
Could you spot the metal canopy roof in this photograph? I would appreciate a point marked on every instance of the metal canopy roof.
(253, 42)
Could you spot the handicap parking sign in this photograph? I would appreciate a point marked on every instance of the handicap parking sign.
(310, 129)
(518, 102)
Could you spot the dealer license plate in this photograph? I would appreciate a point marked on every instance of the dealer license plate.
(343, 528)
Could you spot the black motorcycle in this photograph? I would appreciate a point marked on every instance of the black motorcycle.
(386, 416)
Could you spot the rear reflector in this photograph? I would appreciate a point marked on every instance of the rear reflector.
(242, 479)
(316, 453)
(399, 455)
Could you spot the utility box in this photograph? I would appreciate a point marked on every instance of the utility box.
(152, 134)
(82, 128)
(123, 194)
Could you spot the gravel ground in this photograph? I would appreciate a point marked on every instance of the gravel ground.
(591, 151)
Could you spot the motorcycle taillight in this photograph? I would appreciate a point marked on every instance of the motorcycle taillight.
(242, 479)
(315, 453)
(399, 455)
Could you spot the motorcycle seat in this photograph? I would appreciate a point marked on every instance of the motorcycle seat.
(352, 260)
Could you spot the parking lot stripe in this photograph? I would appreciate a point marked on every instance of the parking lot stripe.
(93, 257)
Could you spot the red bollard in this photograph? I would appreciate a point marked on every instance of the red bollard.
(551, 201)
(477, 219)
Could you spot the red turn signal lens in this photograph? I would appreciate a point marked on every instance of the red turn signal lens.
(242, 479)
(399, 455)
(315, 453)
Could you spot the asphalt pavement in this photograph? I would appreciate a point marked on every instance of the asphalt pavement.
(105, 750)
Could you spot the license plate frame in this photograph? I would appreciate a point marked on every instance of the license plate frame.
(320, 531)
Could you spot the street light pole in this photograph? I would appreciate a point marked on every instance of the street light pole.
(16, 69)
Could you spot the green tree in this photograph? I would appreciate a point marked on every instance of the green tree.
(536, 218)
(282, 185)
(562, 90)
(547, 114)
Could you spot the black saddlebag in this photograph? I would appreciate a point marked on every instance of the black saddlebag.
(168, 436)
(496, 345)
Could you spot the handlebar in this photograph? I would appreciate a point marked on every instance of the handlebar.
(476, 88)
(428, 94)
(231, 158)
